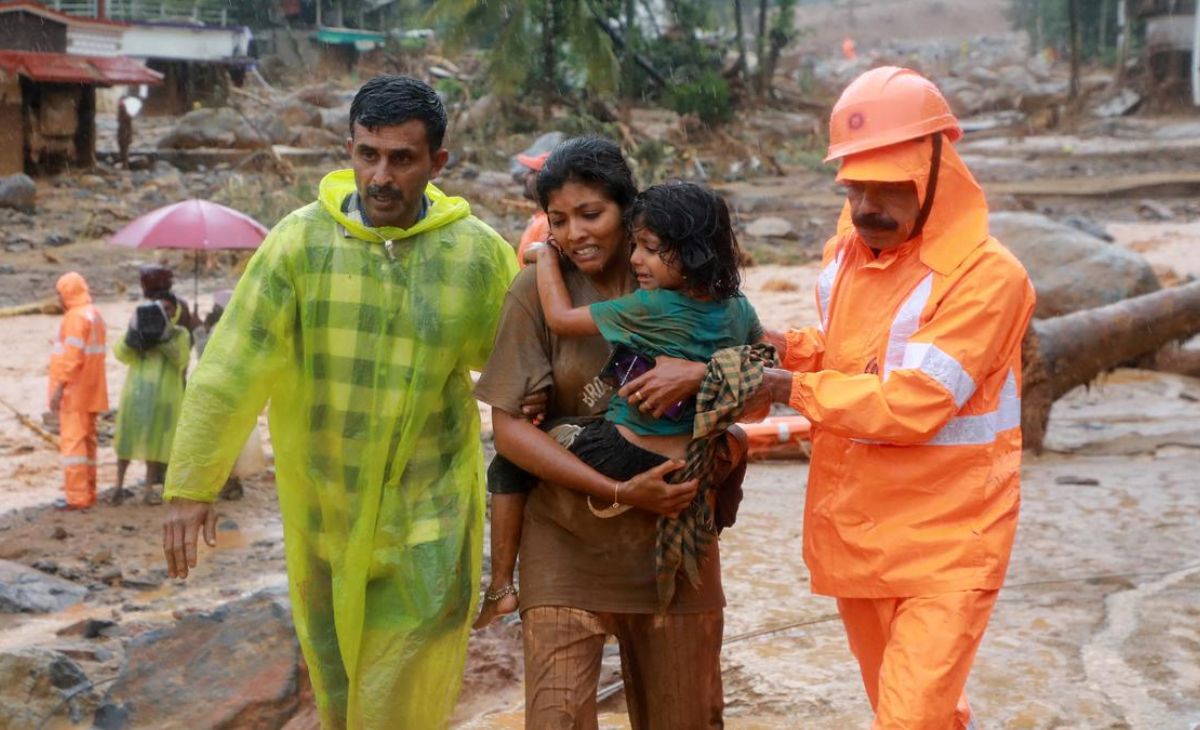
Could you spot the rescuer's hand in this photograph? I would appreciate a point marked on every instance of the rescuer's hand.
(186, 518)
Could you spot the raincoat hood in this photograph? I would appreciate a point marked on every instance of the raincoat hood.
(338, 185)
(73, 290)
(958, 219)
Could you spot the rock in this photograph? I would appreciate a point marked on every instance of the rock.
(57, 239)
(238, 666)
(1090, 227)
(1123, 102)
(221, 127)
(37, 685)
(18, 191)
(91, 628)
(316, 138)
(770, 227)
(326, 96)
(336, 120)
(1072, 480)
(25, 590)
(1070, 269)
(1154, 210)
(297, 113)
(46, 566)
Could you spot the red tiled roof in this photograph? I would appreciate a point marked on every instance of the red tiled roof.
(45, 12)
(66, 68)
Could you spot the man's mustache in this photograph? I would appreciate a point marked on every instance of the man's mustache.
(874, 222)
(383, 191)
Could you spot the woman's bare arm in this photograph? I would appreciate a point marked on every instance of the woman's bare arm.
(563, 319)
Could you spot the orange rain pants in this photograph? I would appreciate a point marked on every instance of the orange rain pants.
(915, 655)
(77, 445)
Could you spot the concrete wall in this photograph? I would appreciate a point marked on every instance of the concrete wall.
(94, 41)
(183, 44)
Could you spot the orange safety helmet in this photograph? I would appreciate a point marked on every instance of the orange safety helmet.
(886, 106)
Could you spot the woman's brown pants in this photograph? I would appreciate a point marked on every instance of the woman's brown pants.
(671, 665)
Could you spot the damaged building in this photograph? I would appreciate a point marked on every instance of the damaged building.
(1172, 46)
(50, 67)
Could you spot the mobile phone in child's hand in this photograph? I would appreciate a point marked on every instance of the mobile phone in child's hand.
(626, 364)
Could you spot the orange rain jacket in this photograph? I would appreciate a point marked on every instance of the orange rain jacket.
(78, 356)
(912, 383)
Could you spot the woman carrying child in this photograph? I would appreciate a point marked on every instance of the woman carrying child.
(585, 577)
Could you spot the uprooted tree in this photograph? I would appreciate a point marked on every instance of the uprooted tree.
(1064, 352)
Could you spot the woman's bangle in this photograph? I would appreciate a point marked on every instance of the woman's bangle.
(616, 494)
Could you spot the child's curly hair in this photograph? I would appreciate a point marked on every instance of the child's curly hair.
(695, 229)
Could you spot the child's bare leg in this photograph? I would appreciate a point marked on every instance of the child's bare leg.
(508, 514)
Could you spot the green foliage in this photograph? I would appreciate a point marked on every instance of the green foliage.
(706, 95)
(513, 31)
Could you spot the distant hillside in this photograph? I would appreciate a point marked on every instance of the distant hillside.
(827, 23)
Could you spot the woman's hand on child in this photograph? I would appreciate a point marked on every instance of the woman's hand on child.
(533, 406)
(670, 380)
(651, 491)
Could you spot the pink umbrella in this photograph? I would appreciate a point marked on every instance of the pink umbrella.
(196, 224)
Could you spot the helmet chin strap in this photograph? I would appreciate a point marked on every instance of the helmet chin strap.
(930, 189)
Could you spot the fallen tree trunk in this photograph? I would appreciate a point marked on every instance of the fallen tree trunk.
(44, 306)
(1064, 352)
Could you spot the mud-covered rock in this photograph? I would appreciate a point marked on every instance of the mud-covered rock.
(25, 590)
(221, 127)
(1070, 269)
(40, 688)
(771, 227)
(238, 666)
(18, 191)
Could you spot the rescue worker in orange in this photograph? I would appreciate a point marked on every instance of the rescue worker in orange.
(912, 381)
(538, 229)
(78, 389)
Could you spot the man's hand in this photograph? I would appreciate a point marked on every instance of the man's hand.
(668, 382)
(651, 492)
(181, 528)
(533, 406)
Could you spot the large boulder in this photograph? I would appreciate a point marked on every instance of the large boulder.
(40, 689)
(238, 666)
(221, 127)
(1071, 270)
(18, 191)
(25, 590)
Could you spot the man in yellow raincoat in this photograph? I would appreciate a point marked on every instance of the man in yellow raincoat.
(912, 383)
(359, 318)
(78, 388)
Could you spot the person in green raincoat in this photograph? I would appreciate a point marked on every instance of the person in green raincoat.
(150, 402)
(359, 319)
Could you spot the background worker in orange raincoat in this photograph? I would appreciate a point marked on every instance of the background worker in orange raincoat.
(78, 389)
(912, 382)
(538, 229)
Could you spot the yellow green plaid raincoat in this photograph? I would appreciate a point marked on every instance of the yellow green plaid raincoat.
(362, 338)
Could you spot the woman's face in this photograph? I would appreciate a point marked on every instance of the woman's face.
(587, 226)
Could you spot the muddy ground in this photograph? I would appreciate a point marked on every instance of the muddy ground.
(1096, 629)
